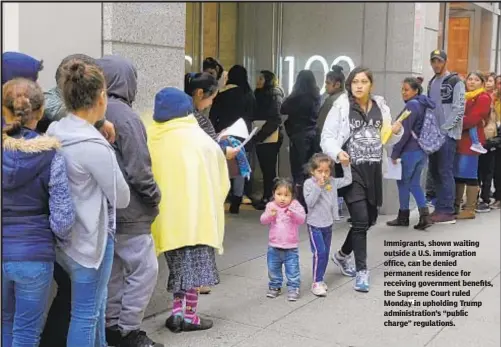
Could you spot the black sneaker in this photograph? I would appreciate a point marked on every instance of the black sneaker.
(113, 336)
(482, 207)
(138, 338)
(174, 323)
(273, 293)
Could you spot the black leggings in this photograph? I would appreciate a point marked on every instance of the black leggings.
(58, 320)
(267, 154)
(363, 216)
(485, 175)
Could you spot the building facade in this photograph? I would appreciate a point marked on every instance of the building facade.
(165, 40)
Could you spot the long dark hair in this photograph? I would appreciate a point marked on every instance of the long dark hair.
(239, 77)
(306, 84)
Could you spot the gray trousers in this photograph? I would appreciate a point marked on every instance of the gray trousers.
(132, 282)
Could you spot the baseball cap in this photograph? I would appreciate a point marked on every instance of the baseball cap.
(439, 54)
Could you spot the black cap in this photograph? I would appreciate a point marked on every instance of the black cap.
(439, 54)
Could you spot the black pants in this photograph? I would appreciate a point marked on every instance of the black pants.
(363, 216)
(58, 320)
(301, 149)
(497, 173)
(267, 155)
(485, 175)
(430, 186)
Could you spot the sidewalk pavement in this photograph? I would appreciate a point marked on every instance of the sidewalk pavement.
(244, 317)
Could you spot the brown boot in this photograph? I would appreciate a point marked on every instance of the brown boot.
(459, 196)
(471, 203)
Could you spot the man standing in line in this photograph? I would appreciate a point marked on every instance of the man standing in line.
(448, 92)
(135, 265)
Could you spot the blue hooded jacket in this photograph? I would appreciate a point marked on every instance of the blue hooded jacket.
(15, 64)
(36, 202)
(414, 123)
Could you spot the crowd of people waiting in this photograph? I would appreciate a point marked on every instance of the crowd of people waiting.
(90, 198)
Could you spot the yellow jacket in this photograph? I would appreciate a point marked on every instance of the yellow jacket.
(192, 174)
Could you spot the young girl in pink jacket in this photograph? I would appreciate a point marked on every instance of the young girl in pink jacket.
(284, 214)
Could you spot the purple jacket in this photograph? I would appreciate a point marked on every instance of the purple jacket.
(417, 106)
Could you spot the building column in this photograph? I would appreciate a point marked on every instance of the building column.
(152, 35)
(396, 42)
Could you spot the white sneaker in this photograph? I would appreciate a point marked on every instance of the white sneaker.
(318, 289)
(477, 147)
(325, 286)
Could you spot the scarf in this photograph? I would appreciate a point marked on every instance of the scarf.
(473, 94)
(241, 158)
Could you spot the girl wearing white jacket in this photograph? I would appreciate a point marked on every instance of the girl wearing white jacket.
(352, 134)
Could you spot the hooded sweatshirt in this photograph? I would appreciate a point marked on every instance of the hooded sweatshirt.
(130, 147)
(36, 204)
(97, 186)
(15, 65)
(414, 123)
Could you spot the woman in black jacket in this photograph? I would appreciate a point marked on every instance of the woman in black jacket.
(236, 100)
(269, 138)
(302, 108)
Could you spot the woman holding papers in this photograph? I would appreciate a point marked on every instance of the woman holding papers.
(269, 138)
(234, 101)
(413, 158)
(352, 134)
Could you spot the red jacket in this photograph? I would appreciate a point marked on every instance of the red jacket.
(477, 111)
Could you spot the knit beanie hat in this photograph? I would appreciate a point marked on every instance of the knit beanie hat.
(16, 65)
(171, 103)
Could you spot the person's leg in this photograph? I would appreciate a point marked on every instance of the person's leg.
(486, 175)
(446, 184)
(88, 292)
(141, 270)
(8, 307)
(342, 257)
(408, 162)
(415, 179)
(327, 235)
(320, 257)
(115, 290)
(497, 177)
(471, 200)
(192, 322)
(275, 260)
(32, 284)
(430, 185)
(293, 273)
(361, 222)
(238, 192)
(268, 156)
(58, 319)
(297, 156)
(476, 146)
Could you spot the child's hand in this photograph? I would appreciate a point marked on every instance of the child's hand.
(288, 212)
(273, 212)
(321, 181)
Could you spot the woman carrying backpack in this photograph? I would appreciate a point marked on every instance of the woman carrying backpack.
(412, 156)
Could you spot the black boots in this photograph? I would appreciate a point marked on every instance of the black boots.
(402, 219)
(236, 201)
(424, 219)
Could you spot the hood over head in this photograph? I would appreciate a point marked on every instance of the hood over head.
(25, 157)
(171, 103)
(121, 77)
(15, 64)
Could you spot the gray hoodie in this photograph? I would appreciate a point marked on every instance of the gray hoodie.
(96, 184)
(130, 146)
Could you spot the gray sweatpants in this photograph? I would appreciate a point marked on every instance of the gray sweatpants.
(132, 282)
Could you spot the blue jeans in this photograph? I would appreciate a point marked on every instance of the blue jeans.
(89, 288)
(412, 166)
(320, 241)
(276, 259)
(474, 135)
(25, 293)
(442, 170)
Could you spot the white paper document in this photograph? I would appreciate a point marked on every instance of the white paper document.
(238, 129)
(253, 132)
(394, 171)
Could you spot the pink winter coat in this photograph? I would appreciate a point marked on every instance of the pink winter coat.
(284, 225)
